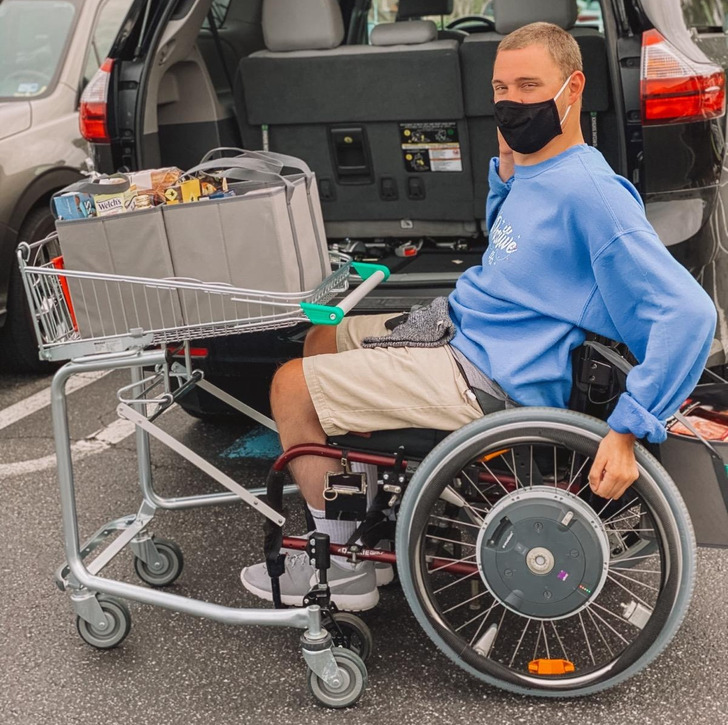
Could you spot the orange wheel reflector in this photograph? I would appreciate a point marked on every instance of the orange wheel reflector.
(491, 456)
(550, 667)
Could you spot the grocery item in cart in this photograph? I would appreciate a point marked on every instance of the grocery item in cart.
(120, 197)
(155, 182)
(184, 192)
(74, 205)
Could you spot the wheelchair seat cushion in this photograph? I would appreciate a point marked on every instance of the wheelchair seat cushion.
(417, 442)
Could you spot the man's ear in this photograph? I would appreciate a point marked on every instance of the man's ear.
(576, 86)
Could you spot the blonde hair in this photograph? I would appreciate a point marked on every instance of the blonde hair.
(560, 44)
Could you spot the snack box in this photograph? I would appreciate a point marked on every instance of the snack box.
(115, 202)
(74, 205)
(187, 191)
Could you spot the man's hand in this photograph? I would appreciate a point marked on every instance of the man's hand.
(506, 165)
(614, 469)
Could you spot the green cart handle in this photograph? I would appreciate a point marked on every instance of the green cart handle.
(371, 274)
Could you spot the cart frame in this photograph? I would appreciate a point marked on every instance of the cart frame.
(123, 348)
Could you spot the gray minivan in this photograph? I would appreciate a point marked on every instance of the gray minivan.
(308, 79)
(49, 50)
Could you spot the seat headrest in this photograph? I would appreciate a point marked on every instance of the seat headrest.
(419, 8)
(510, 16)
(413, 32)
(302, 24)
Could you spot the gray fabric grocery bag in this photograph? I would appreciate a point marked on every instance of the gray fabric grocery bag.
(313, 243)
(130, 244)
(269, 236)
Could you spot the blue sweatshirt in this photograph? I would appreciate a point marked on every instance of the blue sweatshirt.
(570, 251)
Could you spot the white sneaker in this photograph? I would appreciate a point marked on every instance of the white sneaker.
(383, 571)
(352, 588)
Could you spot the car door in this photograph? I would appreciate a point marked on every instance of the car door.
(685, 162)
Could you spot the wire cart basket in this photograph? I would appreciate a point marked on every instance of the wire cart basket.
(98, 322)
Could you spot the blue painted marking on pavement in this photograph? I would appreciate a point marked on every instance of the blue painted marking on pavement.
(260, 442)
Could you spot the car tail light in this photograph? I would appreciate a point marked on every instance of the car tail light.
(92, 118)
(195, 352)
(676, 89)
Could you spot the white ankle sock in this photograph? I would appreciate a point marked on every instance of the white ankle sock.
(339, 532)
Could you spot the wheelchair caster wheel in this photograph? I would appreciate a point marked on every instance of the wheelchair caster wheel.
(118, 624)
(350, 632)
(169, 566)
(351, 685)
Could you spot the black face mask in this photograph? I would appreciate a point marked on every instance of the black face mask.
(528, 127)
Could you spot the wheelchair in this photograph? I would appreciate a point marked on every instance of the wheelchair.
(515, 570)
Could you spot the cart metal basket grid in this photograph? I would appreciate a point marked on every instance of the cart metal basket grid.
(139, 312)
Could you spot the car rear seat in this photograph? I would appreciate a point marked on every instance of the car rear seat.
(349, 111)
(477, 56)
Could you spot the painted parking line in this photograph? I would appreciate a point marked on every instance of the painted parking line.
(99, 441)
(42, 399)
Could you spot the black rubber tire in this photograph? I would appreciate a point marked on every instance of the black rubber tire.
(18, 345)
(354, 635)
(119, 619)
(174, 563)
(655, 489)
(352, 690)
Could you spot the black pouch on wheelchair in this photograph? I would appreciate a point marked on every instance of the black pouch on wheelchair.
(596, 384)
(345, 496)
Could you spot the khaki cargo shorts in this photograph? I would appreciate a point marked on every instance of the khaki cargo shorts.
(384, 388)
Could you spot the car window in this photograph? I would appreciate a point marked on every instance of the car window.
(219, 10)
(109, 19)
(33, 38)
(590, 13)
(706, 14)
(385, 11)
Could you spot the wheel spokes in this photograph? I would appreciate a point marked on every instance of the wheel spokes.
(598, 632)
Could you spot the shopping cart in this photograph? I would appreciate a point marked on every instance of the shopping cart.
(100, 322)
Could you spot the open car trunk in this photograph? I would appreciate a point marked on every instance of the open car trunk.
(400, 140)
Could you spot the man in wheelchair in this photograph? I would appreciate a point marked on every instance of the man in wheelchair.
(570, 252)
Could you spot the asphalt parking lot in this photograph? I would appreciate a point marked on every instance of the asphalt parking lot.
(179, 669)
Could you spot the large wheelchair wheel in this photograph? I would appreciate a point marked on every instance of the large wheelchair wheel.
(526, 579)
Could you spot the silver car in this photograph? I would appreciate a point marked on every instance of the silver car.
(49, 49)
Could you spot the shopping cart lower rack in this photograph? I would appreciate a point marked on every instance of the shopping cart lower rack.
(104, 322)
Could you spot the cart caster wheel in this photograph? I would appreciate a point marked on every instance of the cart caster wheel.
(118, 624)
(351, 633)
(172, 563)
(353, 674)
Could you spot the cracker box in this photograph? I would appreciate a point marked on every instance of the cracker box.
(115, 202)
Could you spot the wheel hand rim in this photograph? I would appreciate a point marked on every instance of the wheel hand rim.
(673, 561)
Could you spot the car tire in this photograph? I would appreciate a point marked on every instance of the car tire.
(18, 346)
